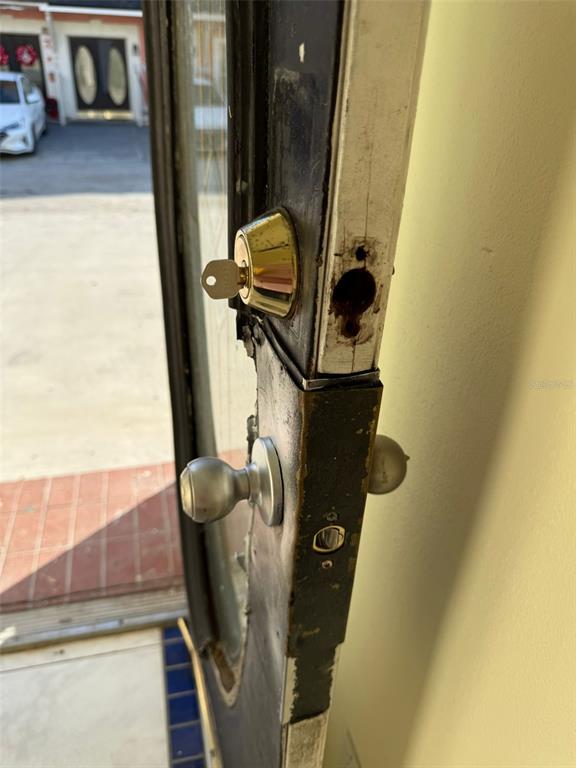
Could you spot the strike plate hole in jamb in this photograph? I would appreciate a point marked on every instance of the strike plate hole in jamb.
(354, 292)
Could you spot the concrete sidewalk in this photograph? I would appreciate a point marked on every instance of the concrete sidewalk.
(125, 700)
(82, 354)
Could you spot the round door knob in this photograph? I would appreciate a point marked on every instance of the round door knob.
(210, 488)
(389, 465)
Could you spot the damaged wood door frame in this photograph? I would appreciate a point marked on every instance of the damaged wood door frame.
(382, 53)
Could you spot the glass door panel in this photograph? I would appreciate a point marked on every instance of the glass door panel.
(230, 376)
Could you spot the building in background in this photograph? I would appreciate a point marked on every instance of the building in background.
(88, 56)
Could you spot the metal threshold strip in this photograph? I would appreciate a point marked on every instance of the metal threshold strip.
(76, 621)
(212, 753)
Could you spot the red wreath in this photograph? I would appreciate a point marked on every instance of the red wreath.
(4, 57)
(26, 55)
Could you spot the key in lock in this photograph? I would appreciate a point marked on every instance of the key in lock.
(264, 271)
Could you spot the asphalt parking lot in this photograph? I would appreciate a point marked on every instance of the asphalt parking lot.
(81, 158)
(84, 382)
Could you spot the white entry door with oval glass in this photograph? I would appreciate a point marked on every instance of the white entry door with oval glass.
(279, 188)
(100, 76)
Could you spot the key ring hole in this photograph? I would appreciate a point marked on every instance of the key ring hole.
(211, 280)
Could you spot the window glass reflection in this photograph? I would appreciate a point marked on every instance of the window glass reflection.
(232, 377)
(85, 72)
(117, 89)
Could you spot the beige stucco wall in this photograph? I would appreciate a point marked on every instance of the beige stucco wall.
(461, 645)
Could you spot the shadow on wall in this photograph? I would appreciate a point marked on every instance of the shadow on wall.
(494, 124)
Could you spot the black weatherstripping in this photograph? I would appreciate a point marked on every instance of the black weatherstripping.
(247, 71)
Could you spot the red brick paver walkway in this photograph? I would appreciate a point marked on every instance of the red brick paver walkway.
(98, 534)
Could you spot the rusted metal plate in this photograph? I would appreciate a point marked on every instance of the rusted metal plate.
(298, 598)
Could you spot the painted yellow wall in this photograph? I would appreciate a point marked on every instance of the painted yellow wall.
(461, 646)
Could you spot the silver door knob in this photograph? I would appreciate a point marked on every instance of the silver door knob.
(210, 488)
(389, 465)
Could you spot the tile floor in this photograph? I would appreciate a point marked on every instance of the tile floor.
(88, 535)
(184, 730)
(109, 702)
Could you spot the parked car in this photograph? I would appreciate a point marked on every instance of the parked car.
(22, 114)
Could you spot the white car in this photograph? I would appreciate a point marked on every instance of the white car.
(22, 114)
